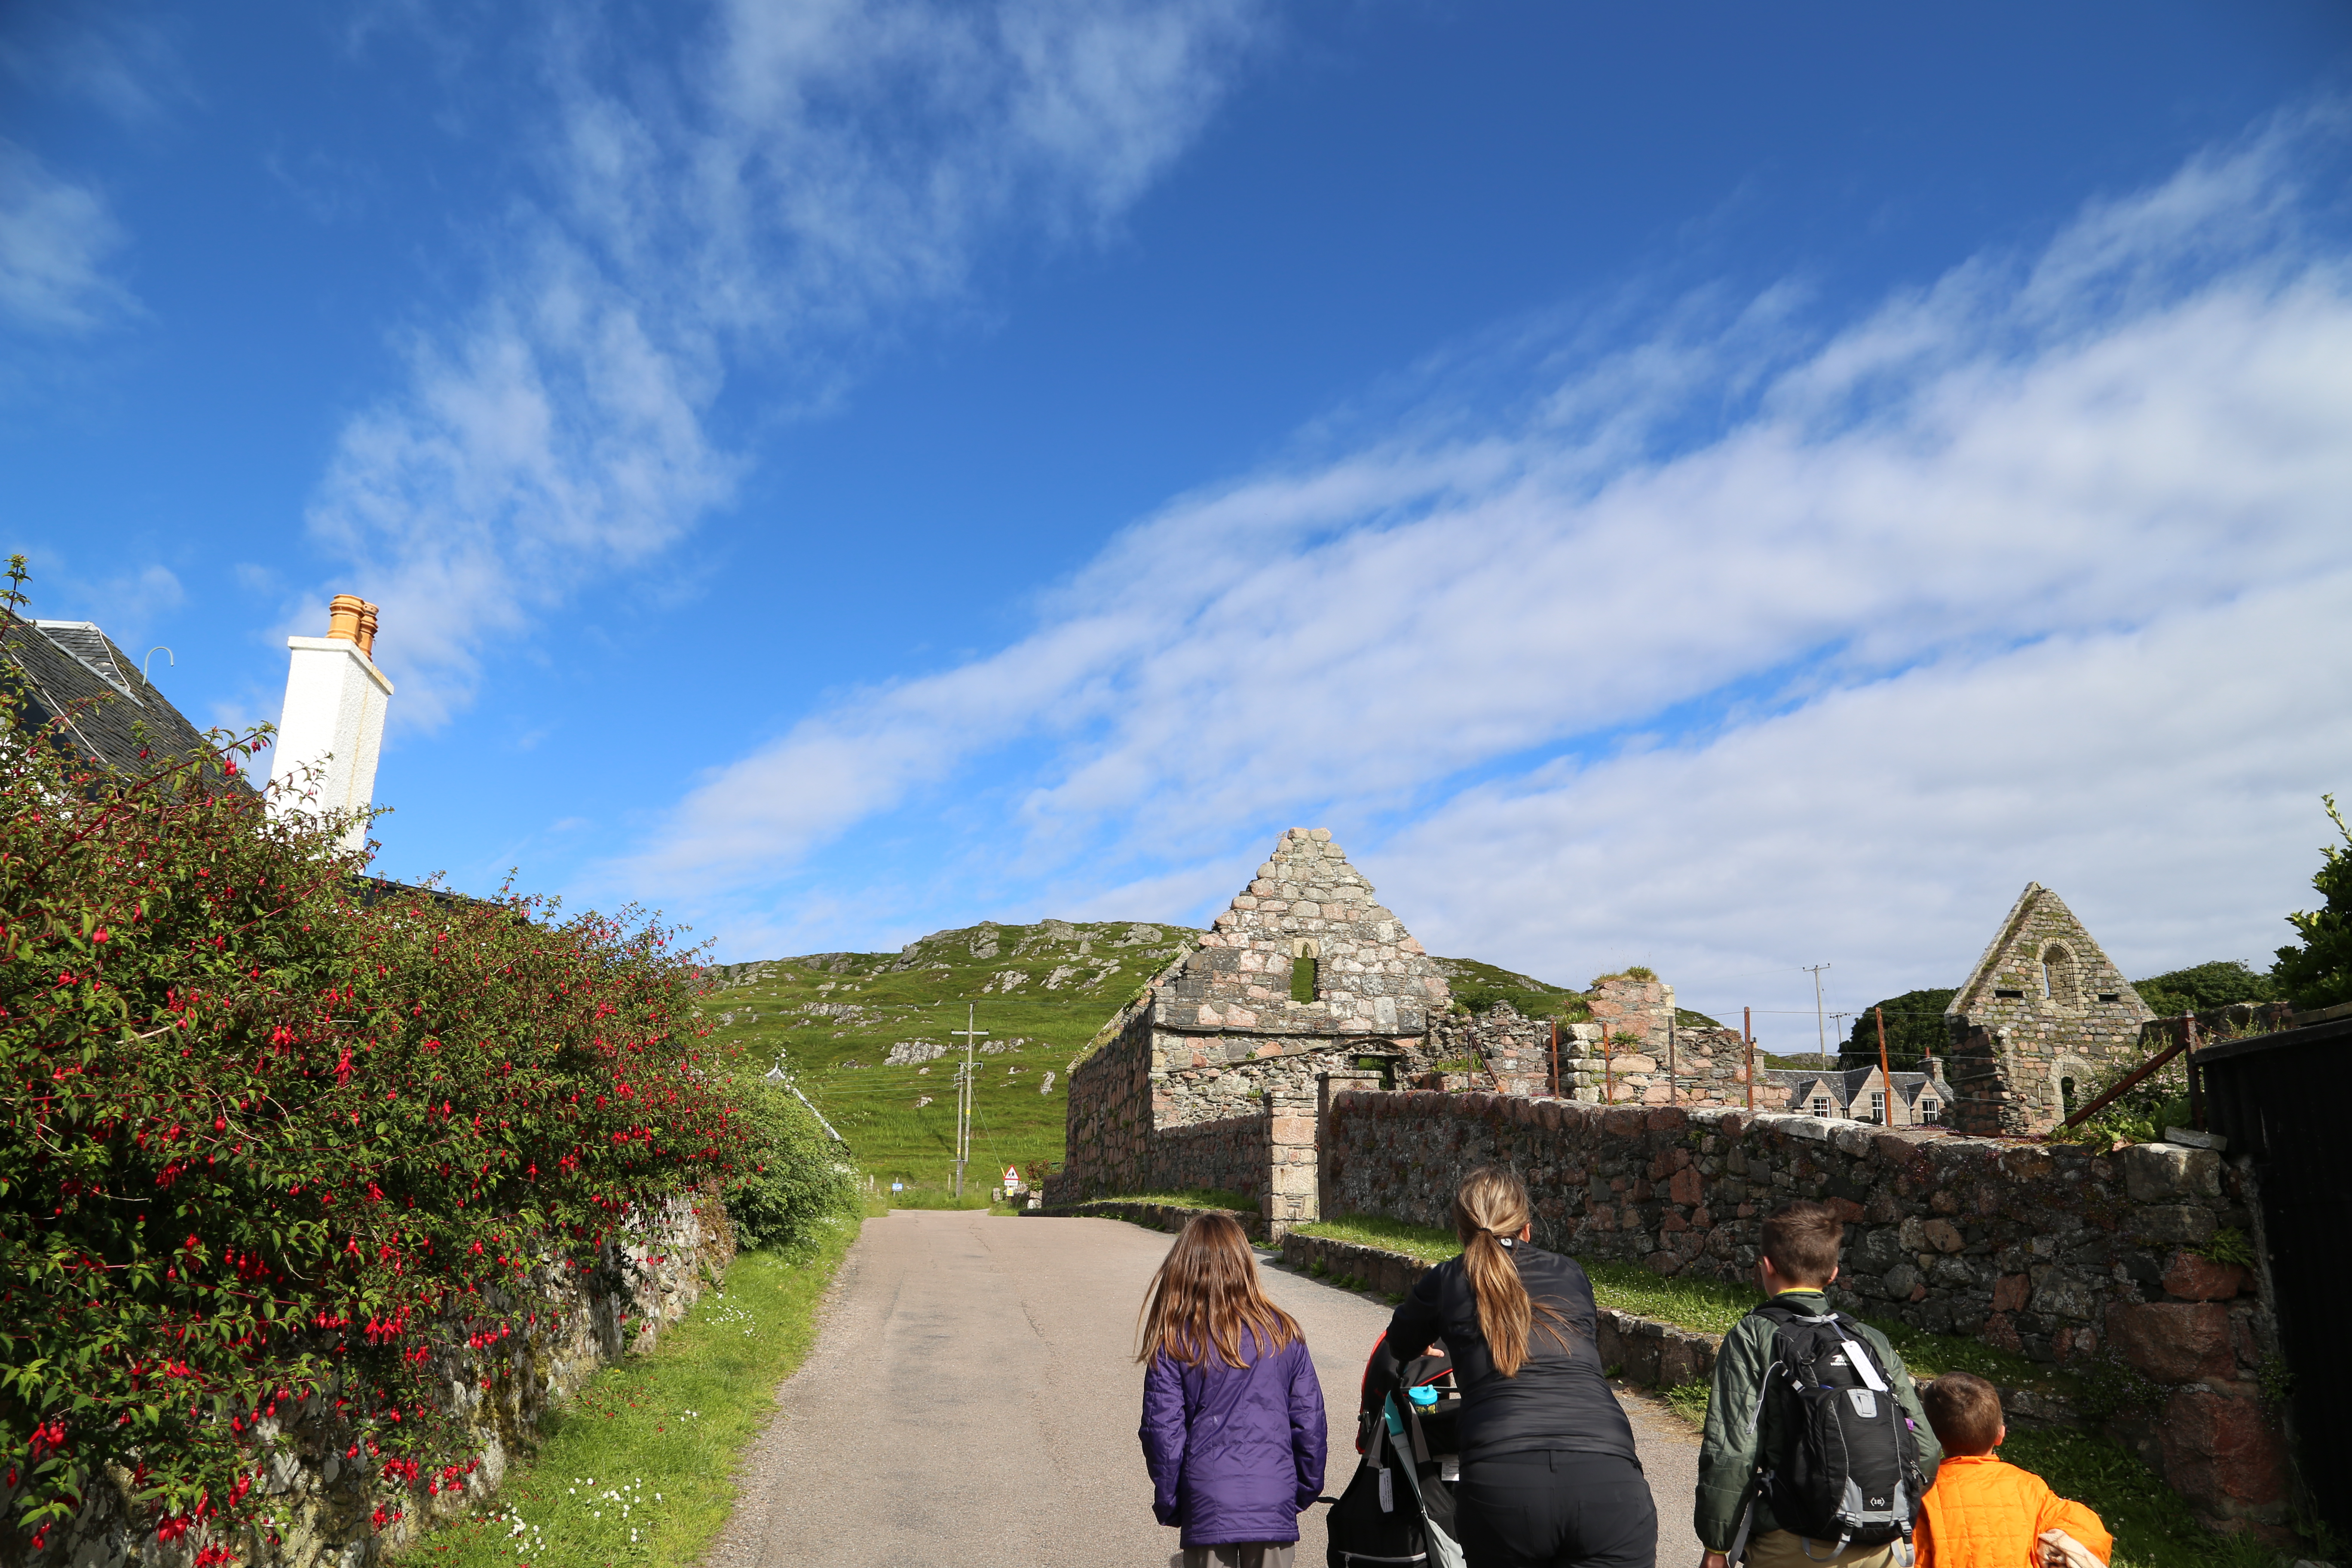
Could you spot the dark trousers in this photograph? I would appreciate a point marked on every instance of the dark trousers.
(1557, 1511)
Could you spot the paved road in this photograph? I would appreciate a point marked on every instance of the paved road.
(973, 1401)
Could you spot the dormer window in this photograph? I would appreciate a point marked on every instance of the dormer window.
(1927, 1110)
(1822, 1106)
(1878, 1106)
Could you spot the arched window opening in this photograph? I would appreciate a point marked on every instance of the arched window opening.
(2066, 1096)
(2058, 977)
(1303, 966)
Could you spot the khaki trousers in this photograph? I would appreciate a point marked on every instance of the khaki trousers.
(1786, 1548)
(1252, 1554)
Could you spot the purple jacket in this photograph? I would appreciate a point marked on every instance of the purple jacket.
(1235, 1453)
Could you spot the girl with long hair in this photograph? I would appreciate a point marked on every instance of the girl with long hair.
(1550, 1474)
(1232, 1415)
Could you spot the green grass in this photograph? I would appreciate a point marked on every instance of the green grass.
(1478, 986)
(1196, 1198)
(2152, 1525)
(1688, 1400)
(1703, 1306)
(1425, 1242)
(657, 1432)
(921, 995)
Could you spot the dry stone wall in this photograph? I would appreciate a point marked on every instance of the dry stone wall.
(2086, 1262)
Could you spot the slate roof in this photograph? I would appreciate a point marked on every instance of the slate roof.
(1846, 1085)
(112, 713)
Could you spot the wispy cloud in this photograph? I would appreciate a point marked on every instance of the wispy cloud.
(56, 241)
(793, 176)
(2126, 435)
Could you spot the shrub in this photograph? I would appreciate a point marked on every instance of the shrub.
(2317, 970)
(796, 1179)
(272, 1154)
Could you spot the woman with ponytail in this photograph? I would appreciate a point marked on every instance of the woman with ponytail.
(1548, 1472)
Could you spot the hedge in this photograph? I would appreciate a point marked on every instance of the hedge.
(265, 1143)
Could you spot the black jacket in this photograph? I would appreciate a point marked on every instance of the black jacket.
(1558, 1399)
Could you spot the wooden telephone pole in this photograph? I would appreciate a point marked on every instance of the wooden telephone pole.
(966, 1083)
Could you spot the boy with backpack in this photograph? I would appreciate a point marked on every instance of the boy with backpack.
(1816, 1451)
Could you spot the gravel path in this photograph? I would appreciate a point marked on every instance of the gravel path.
(973, 1399)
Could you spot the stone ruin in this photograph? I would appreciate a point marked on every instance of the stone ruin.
(2043, 1017)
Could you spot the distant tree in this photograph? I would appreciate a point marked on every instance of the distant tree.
(2317, 972)
(2203, 986)
(1915, 1026)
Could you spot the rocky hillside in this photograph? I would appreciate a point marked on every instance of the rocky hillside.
(867, 1034)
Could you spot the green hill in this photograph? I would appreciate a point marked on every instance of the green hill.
(866, 1036)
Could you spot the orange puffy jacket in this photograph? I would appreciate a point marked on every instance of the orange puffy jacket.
(1984, 1512)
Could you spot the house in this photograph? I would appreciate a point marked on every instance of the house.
(2043, 1018)
(1861, 1094)
(112, 714)
(330, 729)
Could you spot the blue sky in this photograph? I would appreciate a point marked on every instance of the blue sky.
(1721, 486)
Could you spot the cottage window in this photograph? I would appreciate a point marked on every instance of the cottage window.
(1878, 1106)
(1927, 1109)
(1821, 1105)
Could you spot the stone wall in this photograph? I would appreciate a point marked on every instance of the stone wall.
(2082, 1260)
(1604, 1062)
(564, 1327)
(1228, 1156)
(1108, 1143)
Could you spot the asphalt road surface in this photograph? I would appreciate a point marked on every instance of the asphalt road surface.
(974, 1397)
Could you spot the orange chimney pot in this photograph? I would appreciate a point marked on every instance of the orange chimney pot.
(344, 614)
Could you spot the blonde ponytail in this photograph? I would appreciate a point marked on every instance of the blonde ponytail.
(1490, 1206)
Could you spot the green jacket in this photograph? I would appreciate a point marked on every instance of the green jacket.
(1737, 1443)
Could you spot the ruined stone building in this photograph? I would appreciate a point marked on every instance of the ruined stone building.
(1215, 1066)
(2043, 1017)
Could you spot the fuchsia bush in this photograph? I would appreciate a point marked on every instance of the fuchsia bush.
(262, 1142)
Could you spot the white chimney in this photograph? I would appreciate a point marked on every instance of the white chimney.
(333, 720)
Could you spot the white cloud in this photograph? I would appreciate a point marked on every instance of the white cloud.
(796, 175)
(56, 238)
(2108, 448)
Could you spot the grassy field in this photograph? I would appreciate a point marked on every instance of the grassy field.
(637, 1468)
(833, 1020)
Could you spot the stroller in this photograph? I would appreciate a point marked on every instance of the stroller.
(1398, 1510)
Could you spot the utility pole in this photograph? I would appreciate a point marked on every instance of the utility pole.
(1821, 1019)
(964, 1087)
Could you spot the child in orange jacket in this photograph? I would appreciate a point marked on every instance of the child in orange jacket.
(1983, 1512)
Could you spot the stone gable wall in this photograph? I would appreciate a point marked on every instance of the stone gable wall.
(2068, 1258)
(1373, 977)
(2009, 1055)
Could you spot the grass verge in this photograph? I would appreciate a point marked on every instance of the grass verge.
(2152, 1525)
(1424, 1242)
(638, 1466)
(1198, 1198)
